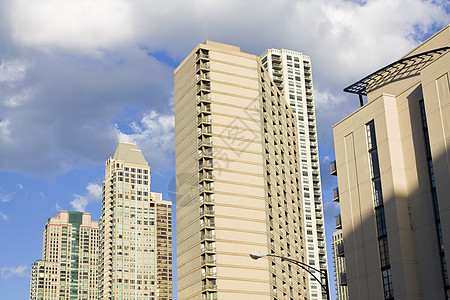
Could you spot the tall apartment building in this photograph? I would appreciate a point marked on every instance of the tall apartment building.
(69, 265)
(392, 158)
(291, 73)
(238, 188)
(337, 246)
(136, 231)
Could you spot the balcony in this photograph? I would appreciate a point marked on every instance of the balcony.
(208, 236)
(209, 287)
(204, 142)
(336, 194)
(207, 199)
(209, 274)
(333, 169)
(276, 65)
(208, 224)
(338, 223)
(343, 279)
(340, 250)
(276, 58)
(208, 261)
(206, 119)
(208, 188)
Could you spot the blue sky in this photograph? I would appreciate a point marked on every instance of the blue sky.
(78, 76)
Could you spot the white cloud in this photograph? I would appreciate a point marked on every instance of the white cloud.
(3, 216)
(6, 197)
(19, 271)
(12, 71)
(20, 186)
(81, 25)
(155, 136)
(93, 193)
(62, 103)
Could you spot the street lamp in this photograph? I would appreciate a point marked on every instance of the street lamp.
(307, 268)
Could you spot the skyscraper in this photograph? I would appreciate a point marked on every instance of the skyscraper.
(291, 72)
(238, 188)
(136, 231)
(393, 174)
(69, 268)
(339, 266)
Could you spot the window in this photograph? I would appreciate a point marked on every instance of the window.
(381, 222)
(384, 252)
(387, 283)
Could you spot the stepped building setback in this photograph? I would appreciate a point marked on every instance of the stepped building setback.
(238, 180)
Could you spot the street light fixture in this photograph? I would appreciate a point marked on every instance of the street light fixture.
(307, 268)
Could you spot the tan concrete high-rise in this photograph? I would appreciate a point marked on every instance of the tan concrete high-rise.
(69, 265)
(238, 188)
(291, 72)
(136, 231)
(392, 158)
(339, 265)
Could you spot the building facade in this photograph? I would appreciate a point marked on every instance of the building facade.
(69, 265)
(136, 231)
(291, 72)
(238, 188)
(340, 274)
(393, 175)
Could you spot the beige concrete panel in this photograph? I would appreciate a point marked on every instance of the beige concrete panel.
(240, 166)
(239, 70)
(238, 115)
(366, 204)
(243, 155)
(238, 100)
(245, 284)
(239, 296)
(233, 90)
(232, 79)
(255, 214)
(239, 178)
(238, 188)
(228, 124)
(236, 238)
(228, 199)
(248, 61)
(430, 280)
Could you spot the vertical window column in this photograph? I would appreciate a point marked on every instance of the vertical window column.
(435, 200)
(383, 244)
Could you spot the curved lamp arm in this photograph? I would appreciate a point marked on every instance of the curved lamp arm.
(302, 265)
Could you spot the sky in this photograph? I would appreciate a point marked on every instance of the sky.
(78, 76)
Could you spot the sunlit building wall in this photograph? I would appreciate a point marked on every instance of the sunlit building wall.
(392, 158)
(238, 186)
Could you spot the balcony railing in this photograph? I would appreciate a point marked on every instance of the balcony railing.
(343, 279)
(340, 250)
(337, 220)
(333, 169)
(336, 194)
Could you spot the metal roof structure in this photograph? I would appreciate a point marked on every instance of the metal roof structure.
(400, 69)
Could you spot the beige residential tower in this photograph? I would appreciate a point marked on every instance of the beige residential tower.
(238, 188)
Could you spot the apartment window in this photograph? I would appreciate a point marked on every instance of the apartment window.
(384, 252)
(381, 222)
(387, 283)
(289, 57)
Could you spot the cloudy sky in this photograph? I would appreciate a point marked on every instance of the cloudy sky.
(77, 76)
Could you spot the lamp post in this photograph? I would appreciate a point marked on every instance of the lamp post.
(302, 265)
